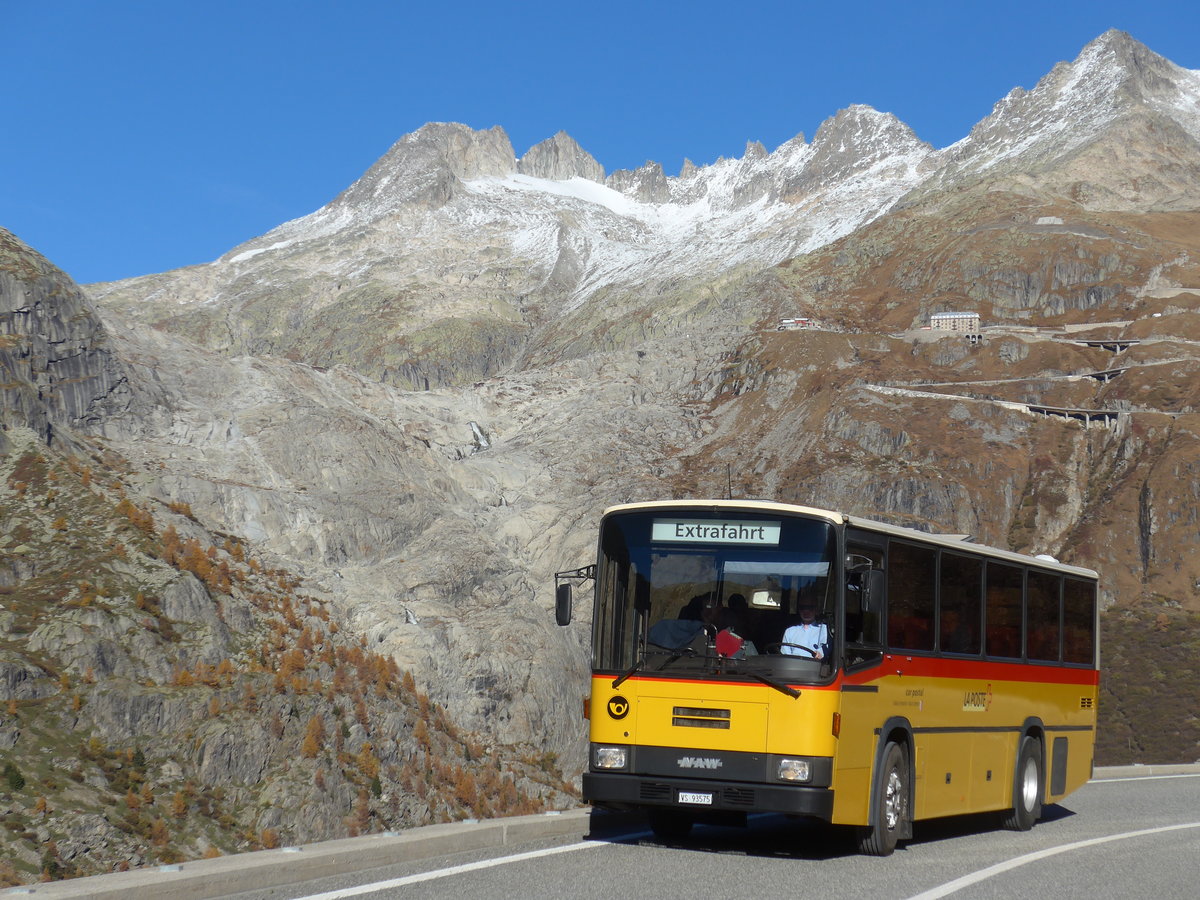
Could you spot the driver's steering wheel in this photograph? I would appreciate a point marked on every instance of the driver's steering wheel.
(778, 648)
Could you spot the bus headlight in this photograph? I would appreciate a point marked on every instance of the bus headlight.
(794, 770)
(610, 757)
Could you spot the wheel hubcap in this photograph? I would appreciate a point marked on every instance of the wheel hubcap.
(1029, 784)
(893, 803)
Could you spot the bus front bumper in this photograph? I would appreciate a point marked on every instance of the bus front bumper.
(626, 792)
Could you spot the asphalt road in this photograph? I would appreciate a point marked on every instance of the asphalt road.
(1114, 838)
(1132, 833)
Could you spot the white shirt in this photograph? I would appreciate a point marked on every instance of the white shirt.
(814, 636)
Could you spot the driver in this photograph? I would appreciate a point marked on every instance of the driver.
(807, 638)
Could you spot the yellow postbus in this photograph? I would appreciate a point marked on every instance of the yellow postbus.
(752, 657)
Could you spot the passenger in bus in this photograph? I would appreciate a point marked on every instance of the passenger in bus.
(734, 616)
(808, 633)
(674, 634)
(693, 610)
(705, 608)
(734, 620)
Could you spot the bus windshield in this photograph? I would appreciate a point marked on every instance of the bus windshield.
(721, 593)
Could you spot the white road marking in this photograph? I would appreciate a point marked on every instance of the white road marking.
(967, 880)
(1142, 778)
(458, 870)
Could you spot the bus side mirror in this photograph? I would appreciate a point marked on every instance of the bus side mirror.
(562, 604)
(872, 593)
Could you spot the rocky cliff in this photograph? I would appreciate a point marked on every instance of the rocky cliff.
(167, 691)
(61, 375)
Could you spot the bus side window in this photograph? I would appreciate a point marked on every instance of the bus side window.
(865, 598)
(1079, 612)
(1043, 614)
(961, 603)
(1004, 605)
(912, 583)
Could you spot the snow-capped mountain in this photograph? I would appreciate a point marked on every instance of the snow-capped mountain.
(449, 184)
(450, 240)
(1115, 83)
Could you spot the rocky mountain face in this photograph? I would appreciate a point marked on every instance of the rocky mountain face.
(61, 374)
(166, 692)
(415, 402)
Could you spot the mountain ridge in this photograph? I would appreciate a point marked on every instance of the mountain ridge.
(555, 244)
(1114, 77)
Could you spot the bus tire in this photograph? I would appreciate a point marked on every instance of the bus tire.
(670, 824)
(1027, 786)
(891, 810)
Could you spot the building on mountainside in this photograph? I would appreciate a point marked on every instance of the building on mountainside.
(955, 321)
(795, 324)
(964, 323)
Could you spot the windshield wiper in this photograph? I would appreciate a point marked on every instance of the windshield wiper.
(677, 655)
(630, 671)
(778, 685)
(657, 651)
(688, 651)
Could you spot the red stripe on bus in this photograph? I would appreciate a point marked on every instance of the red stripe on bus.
(918, 667)
(935, 667)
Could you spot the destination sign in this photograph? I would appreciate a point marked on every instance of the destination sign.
(715, 531)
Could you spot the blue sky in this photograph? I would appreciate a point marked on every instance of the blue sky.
(143, 136)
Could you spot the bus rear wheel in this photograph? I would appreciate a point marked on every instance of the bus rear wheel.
(891, 805)
(1027, 787)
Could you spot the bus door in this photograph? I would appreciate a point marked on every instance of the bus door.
(863, 602)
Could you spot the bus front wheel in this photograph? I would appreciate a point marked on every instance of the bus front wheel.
(890, 812)
(1027, 787)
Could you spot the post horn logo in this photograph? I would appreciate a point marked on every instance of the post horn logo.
(618, 707)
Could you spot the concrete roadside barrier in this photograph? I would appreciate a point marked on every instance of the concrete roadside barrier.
(224, 875)
(1145, 771)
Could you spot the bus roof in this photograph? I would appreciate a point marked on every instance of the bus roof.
(955, 542)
